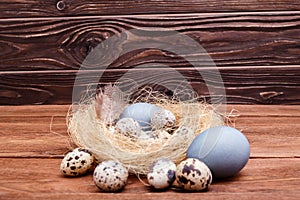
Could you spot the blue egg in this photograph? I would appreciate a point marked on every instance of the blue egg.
(223, 149)
(141, 112)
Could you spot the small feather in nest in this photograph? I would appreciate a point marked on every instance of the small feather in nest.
(109, 104)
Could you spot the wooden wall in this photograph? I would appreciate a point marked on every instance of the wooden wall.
(254, 43)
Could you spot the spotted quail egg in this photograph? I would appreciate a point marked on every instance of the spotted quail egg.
(110, 176)
(77, 162)
(163, 118)
(148, 135)
(164, 135)
(128, 127)
(193, 175)
(154, 135)
(162, 173)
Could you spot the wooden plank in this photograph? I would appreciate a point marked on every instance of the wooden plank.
(193, 196)
(271, 136)
(270, 178)
(231, 39)
(38, 8)
(259, 85)
(37, 111)
(254, 111)
(40, 131)
(264, 110)
(266, 140)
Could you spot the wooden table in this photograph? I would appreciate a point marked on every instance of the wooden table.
(33, 140)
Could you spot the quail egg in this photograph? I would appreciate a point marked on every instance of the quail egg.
(162, 173)
(128, 127)
(110, 176)
(148, 135)
(193, 175)
(77, 162)
(163, 118)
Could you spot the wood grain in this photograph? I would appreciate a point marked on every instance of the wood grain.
(39, 8)
(255, 45)
(40, 131)
(255, 85)
(30, 155)
(257, 54)
(238, 110)
(41, 179)
(231, 39)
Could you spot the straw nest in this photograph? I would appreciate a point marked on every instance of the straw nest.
(90, 129)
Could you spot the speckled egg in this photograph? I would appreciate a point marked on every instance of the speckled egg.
(77, 162)
(162, 173)
(164, 135)
(193, 175)
(148, 135)
(110, 176)
(141, 112)
(128, 127)
(163, 118)
(223, 149)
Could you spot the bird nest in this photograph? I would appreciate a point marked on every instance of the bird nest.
(91, 125)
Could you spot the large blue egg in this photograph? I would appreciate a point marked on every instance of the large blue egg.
(223, 149)
(141, 112)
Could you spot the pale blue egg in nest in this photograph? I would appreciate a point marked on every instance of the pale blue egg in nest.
(141, 112)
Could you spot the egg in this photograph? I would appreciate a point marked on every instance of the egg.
(128, 127)
(193, 175)
(163, 118)
(77, 162)
(110, 176)
(164, 135)
(223, 149)
(141, 112)
(162, 173)
(148, 135)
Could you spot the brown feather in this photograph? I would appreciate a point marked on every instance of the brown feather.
(109, 104)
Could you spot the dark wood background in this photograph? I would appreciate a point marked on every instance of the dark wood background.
(254, 43)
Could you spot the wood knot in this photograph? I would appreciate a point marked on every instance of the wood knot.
(60, 5)
(270, 94)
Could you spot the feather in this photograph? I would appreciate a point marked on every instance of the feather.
(109, 104)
